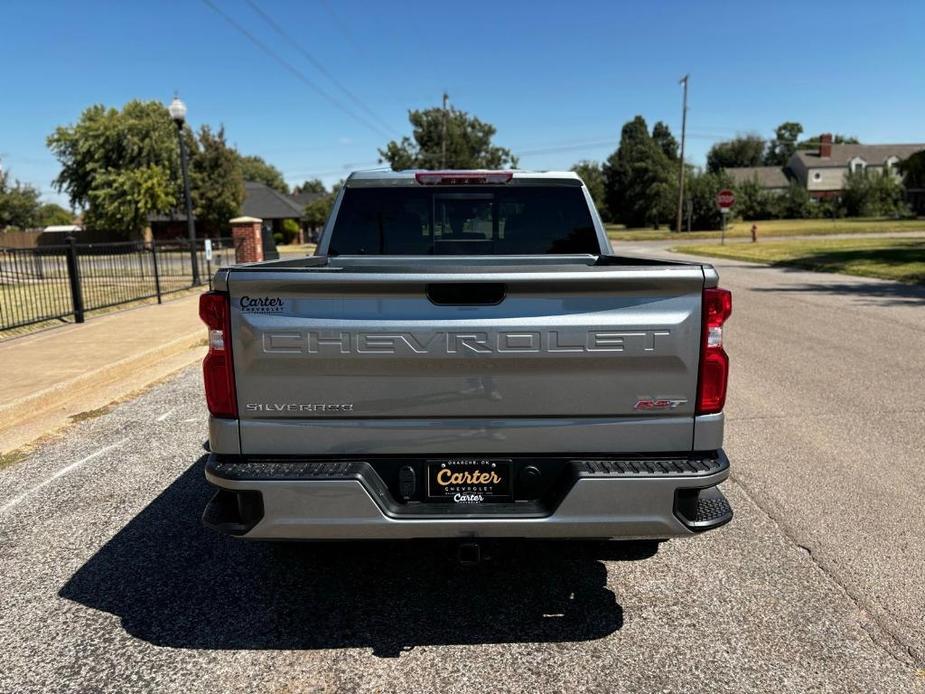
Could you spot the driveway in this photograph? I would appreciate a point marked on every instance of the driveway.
(110, 583)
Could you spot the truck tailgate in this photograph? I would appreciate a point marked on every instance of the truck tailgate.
(515, 359)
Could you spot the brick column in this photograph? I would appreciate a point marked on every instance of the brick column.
(248, 241)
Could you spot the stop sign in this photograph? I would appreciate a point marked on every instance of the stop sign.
(725, 199)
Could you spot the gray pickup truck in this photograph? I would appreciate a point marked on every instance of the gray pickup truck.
(466, 358)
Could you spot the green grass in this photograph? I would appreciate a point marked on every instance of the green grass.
(902, 260)
(23, 301)
(296, 249)
(12, 457)
(776, 227)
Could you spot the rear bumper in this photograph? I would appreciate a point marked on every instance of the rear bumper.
(619, 497)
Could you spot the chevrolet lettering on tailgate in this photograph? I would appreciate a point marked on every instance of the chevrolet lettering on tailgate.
(465, 343)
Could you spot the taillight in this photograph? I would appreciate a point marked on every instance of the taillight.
(217, 367)
(714, 362)
(434, 178)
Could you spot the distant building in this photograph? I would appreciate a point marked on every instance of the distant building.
(772, 178)
(306, 197)
(62, 229)
(260, 201)
(822, 171)
(272, 207)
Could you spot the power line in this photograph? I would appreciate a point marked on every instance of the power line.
(340, 24)
(346, 168)
(294, 70)
(563, 146)
(319, 66)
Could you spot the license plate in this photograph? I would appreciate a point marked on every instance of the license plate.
(469, 480)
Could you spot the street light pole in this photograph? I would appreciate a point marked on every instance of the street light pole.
(681, 169)
(178, 113)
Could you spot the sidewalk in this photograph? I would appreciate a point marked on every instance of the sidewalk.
(48, 377)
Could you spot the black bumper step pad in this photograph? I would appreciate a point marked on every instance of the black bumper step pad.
(283, 469)
(694, 466)
(702, 509)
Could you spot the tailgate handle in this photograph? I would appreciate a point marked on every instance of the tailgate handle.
(466, 293)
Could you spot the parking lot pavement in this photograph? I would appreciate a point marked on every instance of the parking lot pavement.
(110, 583)
(824, 422)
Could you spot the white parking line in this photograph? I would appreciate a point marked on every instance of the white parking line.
(63, 471)
(164, 416)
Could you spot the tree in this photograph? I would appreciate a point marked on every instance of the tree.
(216, 181)
(289, 232)
(593, 176)
(50, 214)
(19, 203)
(753, 201)
(120, 166)
(319, 209)
(913, 170)
(702, 188)
(794, 203)
(468, 143)
(745, 150)
(837, 139)
(784, 144)
(639, 179)
(873, 194)
(665, 140)
(254, 168)
(311, 186)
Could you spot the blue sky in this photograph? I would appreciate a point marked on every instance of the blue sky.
(558, 79)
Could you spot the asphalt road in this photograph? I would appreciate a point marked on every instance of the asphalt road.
(109, 582)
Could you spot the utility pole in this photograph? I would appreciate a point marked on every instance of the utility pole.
(683, 81)
(443, 156)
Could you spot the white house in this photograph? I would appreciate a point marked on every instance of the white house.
(822, 172)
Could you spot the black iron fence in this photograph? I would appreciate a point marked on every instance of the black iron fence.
(67, 281)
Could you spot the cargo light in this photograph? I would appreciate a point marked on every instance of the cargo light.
(436, 178)
(714, 362)
(217, 367)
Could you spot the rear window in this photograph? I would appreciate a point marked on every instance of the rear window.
(480, 220)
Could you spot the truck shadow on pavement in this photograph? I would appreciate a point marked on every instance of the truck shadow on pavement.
(174, 583)
(882, 292)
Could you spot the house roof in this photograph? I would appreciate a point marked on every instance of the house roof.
(842, 154)
(305, 197)
(765, 176)
(262, 201)
(259, 201)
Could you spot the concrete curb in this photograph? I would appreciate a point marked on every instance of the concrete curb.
(41, 402)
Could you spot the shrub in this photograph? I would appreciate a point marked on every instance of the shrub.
(290, 231)
(873, 194)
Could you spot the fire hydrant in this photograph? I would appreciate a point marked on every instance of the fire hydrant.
(754, 233)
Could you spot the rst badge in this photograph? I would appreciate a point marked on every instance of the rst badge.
(659, 403)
